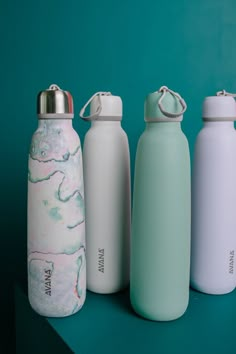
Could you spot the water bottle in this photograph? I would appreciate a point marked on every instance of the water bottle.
(160, 239)
(107, 195)
(56, 222)
(214, 199)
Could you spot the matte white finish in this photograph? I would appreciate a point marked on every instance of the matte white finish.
(218, 107)
(214, 209)
(111, 106)
(107, 206)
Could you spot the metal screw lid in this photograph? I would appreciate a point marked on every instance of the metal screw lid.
(54, 103)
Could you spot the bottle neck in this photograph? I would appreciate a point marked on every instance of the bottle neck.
(219, 124)
(62, 123)
(105, 123)
(164, 126)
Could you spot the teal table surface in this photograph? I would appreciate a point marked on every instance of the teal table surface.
(107, 324)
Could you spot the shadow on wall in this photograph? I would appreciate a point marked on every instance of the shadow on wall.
(13, 258)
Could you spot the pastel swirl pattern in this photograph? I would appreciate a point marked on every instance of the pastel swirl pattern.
(56, 224)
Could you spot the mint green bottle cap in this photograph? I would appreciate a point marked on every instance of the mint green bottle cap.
(164, 105)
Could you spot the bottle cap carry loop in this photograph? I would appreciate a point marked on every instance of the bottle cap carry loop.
(165, 89)
(95, 115)
(54, 87)
(225, 93)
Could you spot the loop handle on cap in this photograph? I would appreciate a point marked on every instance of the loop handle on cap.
(99, 108)
(225, 93)
(54, 87)
(165, 89)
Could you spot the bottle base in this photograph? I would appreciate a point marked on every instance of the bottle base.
(211, 290)
(158, 316)
(107, 290)
(54, 314)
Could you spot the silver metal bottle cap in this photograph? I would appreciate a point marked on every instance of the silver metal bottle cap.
(55, 103)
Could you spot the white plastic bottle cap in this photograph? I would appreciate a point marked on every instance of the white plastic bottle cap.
(219, 108)
(111, 107)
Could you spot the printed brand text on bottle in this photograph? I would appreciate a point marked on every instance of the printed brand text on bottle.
(101, 260)
(231, 262)
(47, 281)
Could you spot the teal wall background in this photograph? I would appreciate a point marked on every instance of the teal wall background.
(128, 47)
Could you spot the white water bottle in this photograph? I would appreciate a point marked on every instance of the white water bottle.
(107, 195)
(56, 228)
(214, 199)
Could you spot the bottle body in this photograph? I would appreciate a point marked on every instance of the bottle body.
(56, 223)
(107, 198)
(214, 209)
(160, 242)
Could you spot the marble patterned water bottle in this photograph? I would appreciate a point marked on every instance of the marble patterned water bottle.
(56, 222)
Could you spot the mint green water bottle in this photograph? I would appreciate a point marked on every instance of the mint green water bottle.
(160, 243)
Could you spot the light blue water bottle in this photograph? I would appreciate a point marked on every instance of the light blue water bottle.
(160, 242)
